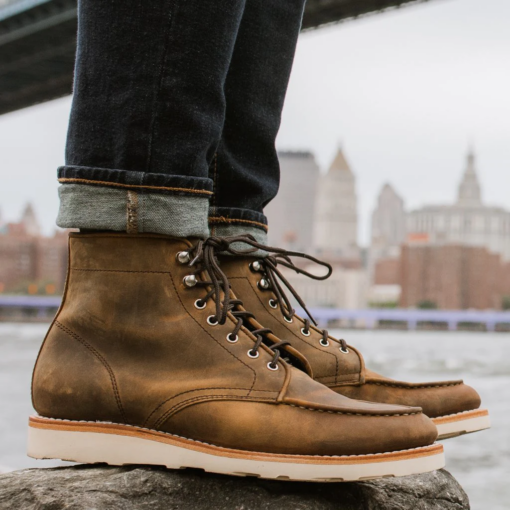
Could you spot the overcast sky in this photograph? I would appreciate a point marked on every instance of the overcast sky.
(404, 93)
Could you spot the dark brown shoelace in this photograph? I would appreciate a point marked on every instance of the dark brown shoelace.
(204, 256)
(277, 281)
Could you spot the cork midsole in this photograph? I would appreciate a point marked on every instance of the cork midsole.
(115, 444)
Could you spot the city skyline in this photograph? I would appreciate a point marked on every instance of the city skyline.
(405, 113)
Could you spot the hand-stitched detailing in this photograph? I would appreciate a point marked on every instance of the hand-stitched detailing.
(64, 180)
(101, 359)
(132, 212)
(206, 398)
(418, 387)
(352, 414)
(200, 389)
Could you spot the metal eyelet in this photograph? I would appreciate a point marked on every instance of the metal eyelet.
(304, 332)
(183, 257)
(254, 356)
(324, 343)
(346, 351)
(197, 305)
(212, 320)
(264, 284)
(190, 280)
(256, 266)
(290, 321)
(272, 367)
(232, 339)
(273, 304)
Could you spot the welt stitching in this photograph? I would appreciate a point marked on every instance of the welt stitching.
(223, 219)
(182, 405)
(292, 332)
(209, 334)
(404, 386)
(198, 389)
(101, 359)
(70, 180)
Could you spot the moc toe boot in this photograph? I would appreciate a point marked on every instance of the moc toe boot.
(453, 406)
(148, 361)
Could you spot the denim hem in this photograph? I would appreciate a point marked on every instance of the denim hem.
(121, 210)
(226, 230)
(136, 181)
(235, 216)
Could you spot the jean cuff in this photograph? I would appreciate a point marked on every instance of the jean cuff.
(243, 218)
(225, 225)
(124, 210)
(141, 182)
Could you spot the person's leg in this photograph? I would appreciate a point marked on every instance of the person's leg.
(245, 170)
(147, 114)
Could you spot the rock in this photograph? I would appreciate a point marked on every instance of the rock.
(144, 488)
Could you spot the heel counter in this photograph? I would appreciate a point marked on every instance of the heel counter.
(70, 381)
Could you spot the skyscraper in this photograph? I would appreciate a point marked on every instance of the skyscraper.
(291, 213)
(336, 216)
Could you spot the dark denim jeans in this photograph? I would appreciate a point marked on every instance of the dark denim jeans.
(177, 104)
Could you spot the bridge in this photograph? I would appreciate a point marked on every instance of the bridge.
(371, 318)
(38, 43)
(44, 307)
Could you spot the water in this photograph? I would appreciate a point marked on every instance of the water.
(481, 462)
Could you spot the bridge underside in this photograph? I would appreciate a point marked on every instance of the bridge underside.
(37, 43)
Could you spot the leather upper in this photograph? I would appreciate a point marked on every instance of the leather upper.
(344, 373)
(130, 346)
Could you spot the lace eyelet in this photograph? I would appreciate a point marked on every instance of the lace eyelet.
(197, 304)
(344, 351)
(304, 332)
(273, 304)
(263, 284)
(272, 367)
(183, 257)
(232, 339)
(212, 320)
(290, 321)
(324, 343)
(253, 356)
(256, 266)
(190, 280)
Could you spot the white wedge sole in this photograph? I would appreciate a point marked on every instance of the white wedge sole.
(462, 423)
(96, 442)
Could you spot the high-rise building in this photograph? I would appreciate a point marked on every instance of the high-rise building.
(291, 213)
(468, 222)
(336, 215)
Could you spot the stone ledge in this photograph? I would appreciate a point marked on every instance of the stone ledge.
(143, 488)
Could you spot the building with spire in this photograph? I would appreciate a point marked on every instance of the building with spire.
(467, 222)
(336, 215)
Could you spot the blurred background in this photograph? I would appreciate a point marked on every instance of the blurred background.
(395, 160)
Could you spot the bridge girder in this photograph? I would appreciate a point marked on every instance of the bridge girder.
(38, 44)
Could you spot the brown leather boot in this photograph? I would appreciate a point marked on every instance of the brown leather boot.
(148, 363)
(453, 406)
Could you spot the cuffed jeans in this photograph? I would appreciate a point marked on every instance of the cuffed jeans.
(176, 108)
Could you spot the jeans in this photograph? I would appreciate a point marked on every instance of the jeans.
(176, 108)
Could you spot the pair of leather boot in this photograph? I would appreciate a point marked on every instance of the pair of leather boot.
(153, 359)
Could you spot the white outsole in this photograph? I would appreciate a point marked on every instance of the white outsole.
(462, 423)
(117, 445)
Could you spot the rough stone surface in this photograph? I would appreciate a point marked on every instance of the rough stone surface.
(144, 488)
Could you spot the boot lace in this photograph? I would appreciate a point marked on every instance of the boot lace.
(276, 281)
(204, 257)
